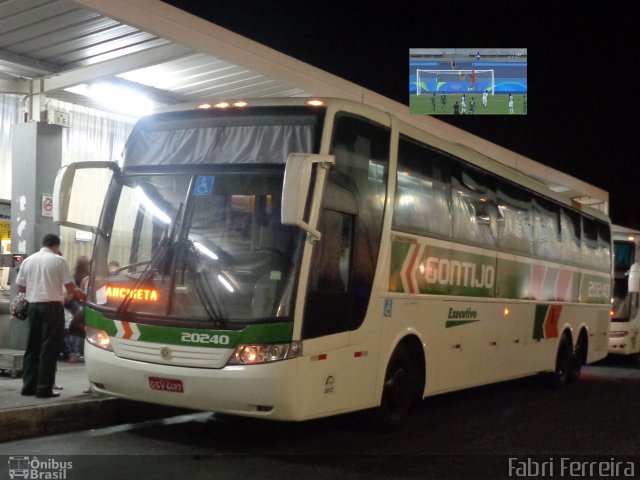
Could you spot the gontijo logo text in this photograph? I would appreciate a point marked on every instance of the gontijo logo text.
(462, 274)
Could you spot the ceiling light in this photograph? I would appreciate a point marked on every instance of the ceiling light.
(116, 98)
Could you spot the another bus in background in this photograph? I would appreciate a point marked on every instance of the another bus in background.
(624, 333)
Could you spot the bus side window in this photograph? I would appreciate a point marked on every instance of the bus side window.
(423, 197)
(474, 211)
(546, 238)
(589, 243)
(570, 234)
(514, 206)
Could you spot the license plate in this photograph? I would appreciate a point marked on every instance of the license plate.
(166, 384)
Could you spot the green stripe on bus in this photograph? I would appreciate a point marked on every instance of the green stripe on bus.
(399, 252)
(538, 324)
(457, 323)
(280, 332)
(449, 270)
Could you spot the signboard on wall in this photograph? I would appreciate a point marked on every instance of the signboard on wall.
(5, 230)
(47, 205)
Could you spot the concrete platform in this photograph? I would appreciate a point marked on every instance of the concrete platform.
(74, 409)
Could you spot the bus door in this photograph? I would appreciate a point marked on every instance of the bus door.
(343, 264)
(330, 303)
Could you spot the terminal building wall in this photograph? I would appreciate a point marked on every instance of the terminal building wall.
(93, 135)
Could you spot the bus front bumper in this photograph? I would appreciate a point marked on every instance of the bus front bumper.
(623, 341)
(267, 390)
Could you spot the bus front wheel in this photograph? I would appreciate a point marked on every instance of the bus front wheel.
(399, 391)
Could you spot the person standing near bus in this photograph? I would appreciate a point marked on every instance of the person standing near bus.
(42, 277)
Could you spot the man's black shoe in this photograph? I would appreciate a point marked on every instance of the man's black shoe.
(47, 395)
(27, 393)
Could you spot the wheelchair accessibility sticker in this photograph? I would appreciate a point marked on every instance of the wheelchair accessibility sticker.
(204, 185)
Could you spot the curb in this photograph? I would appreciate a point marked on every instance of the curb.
(76, 415)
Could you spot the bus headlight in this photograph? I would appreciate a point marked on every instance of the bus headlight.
(264, 353)
(98, 338)
(618, 333)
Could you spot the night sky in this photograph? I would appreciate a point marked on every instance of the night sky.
(583, 101)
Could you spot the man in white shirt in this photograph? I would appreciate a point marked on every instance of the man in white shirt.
(463, 104)
(42, 277)
(510, 103)
(485, 97)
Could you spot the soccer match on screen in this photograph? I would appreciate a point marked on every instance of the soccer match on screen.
(468, 81)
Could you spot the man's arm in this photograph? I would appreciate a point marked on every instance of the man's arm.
(73, 290)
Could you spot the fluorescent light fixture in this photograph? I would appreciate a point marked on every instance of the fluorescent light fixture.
(202, 249)
(116, 98)
(151, 207)
(225, 282)
(83, 236)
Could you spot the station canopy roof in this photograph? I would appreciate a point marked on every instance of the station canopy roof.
(52, 48)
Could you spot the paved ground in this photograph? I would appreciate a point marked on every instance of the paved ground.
(24, 417)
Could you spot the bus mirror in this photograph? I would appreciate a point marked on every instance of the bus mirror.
(295, 190)
(79, 191)
(634, 278)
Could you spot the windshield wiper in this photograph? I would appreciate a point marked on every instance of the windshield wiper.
(151, 268)
(192, 259)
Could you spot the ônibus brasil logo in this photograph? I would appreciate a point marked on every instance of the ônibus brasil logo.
(38, 469)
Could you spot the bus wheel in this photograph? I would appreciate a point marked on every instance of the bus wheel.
(399, 391)
(579, 358)
(564, 363)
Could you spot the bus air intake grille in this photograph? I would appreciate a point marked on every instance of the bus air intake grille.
(167, 354)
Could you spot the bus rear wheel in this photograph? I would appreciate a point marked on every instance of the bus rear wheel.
(399, 392)
(579, 358)
(565, 363)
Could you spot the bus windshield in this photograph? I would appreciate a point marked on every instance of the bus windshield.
(624, 256)
(197, 248)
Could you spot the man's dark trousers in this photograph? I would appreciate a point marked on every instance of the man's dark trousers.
(46, 336)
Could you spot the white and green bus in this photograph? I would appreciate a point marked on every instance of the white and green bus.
(293, 260)
(624, 335)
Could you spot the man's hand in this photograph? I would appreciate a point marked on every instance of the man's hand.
(79, 295)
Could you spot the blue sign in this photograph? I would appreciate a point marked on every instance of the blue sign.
(204, 185)
(388, 307)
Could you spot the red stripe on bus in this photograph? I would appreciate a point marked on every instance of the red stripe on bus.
(128, 333)
(551, 325)
(409, 271)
